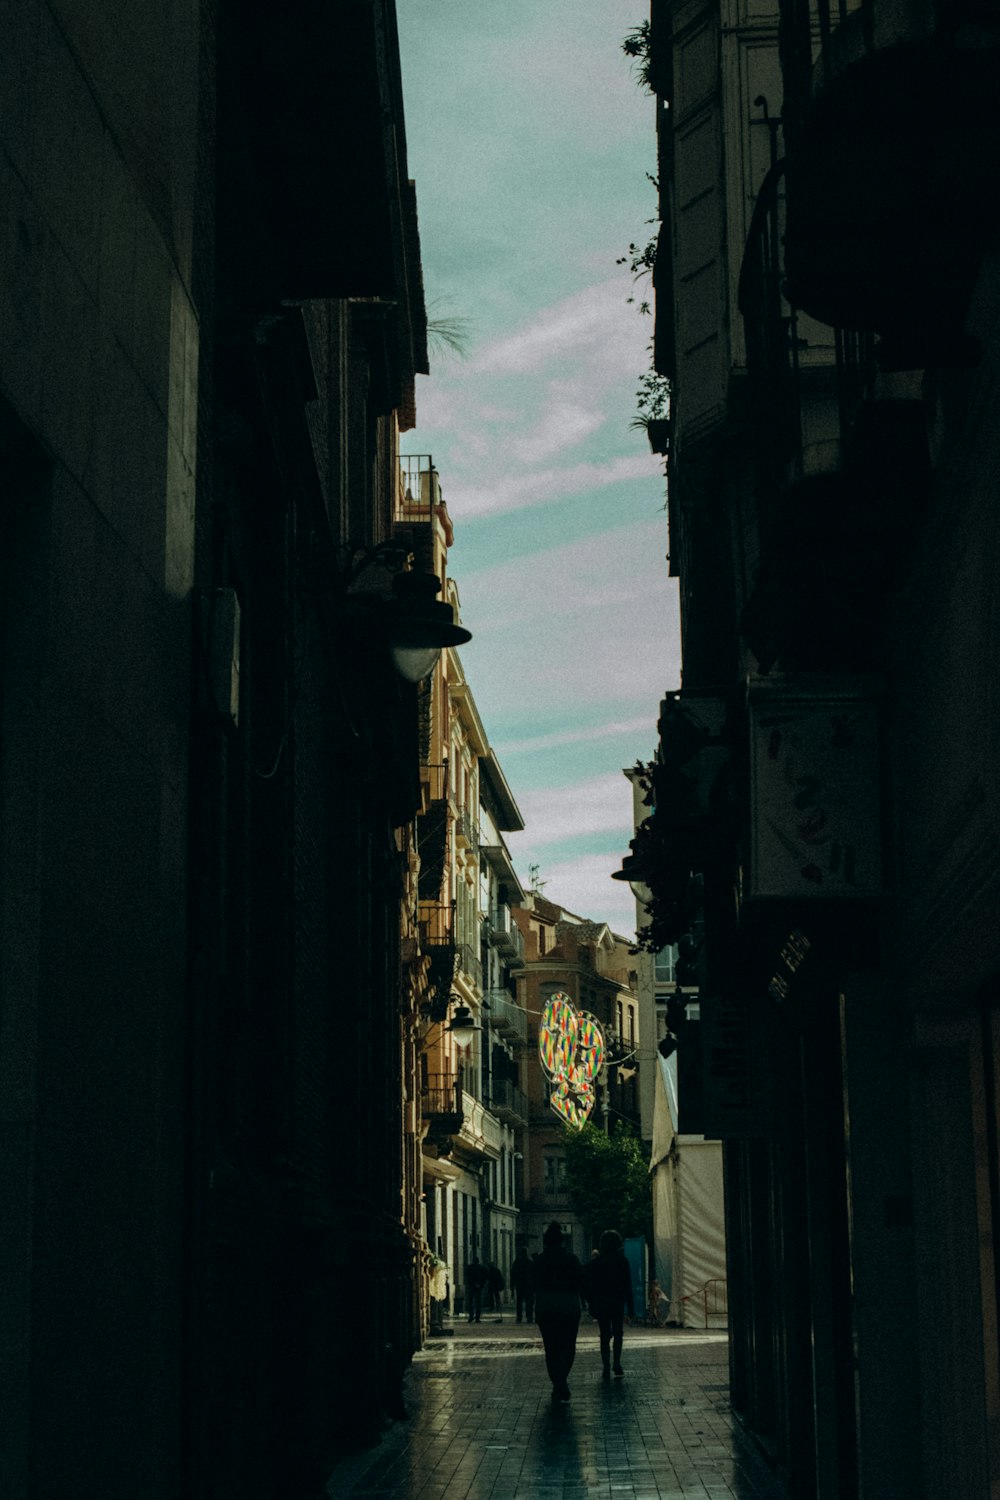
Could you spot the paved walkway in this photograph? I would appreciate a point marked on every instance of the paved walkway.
(483, 1426)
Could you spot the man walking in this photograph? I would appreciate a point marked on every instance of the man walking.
(557, 1307)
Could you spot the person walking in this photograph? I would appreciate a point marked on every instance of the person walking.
(475, 1282)
(522, 1286)
(608, 1293)
(557, 1283)
(496, 1287)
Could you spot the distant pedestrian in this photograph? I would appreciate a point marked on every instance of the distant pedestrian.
(495, 1283)
(522, 1286)
(608, 1293)
(475, 1283)
(557, 1281)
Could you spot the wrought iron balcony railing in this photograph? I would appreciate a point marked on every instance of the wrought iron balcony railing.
(506, 1016)
(437, 924)
(467, 828)
(803, 23)
(419, 488)
(469, 964)
(505, 933)
(441, 1095)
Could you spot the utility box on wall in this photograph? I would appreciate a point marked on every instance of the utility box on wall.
(814, 788)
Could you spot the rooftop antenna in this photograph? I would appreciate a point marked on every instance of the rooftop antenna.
(537, 886)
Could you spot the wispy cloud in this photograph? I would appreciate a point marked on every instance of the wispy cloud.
(569, 415)
(535, 743)
(509, 491)
(610, 570)
(598, 804)
(548, 388)
(590, 320)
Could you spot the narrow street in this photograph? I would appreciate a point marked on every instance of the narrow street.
(483, 1426)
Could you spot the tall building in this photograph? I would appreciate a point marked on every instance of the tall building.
(211, 317)
(826, 795)
(469, 1107)
(504, 1022)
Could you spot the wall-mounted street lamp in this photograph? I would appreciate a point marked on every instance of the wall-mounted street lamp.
(414, 623)
(462, 1026)
(633, 872)
(419, 626)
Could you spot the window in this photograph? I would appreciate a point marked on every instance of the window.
(664, 964)
(555, 1174)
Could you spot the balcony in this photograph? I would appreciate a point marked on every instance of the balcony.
(436, 921)
(841, 470)
(480, 1136)
(419, 489)
(505, 935)
(507, 1018)
(442, 1110)
(509, 1103)
(466, 829)
(469, 965)
(432, 829)
(893, 149)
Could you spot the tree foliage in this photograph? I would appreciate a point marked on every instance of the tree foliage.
(607, 1177)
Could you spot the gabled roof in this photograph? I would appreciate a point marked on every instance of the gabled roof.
(598, 933)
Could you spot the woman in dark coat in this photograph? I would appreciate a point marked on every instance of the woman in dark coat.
(557, 1279)
(608, 1292)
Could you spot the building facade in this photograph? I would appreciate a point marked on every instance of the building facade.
(468, 1103)
(595, 969)
(212, 317)
(826, 782)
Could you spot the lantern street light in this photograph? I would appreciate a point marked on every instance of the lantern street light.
(462, 1026)
(415, 624)
(633, 871)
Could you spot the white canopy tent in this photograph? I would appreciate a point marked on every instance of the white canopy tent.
(689, 1235)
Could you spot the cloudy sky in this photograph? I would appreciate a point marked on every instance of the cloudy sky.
(530, 142)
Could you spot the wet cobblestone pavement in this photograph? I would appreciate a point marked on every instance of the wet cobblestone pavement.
(483, 1426)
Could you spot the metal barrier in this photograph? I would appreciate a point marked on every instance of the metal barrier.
(713, 1297)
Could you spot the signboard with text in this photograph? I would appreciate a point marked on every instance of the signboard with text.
(814, 790)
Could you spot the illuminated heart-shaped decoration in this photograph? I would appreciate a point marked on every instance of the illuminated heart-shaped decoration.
(571, 1051)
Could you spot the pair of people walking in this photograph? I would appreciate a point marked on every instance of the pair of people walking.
(482, 1282)
(561, 1285)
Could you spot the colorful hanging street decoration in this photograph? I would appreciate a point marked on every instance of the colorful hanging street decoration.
(571, 1052)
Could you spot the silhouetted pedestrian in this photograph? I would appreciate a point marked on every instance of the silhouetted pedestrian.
(476, 1278)
(523, 1286)
(495, 1283)
(557, 1280)
(608, 1292)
